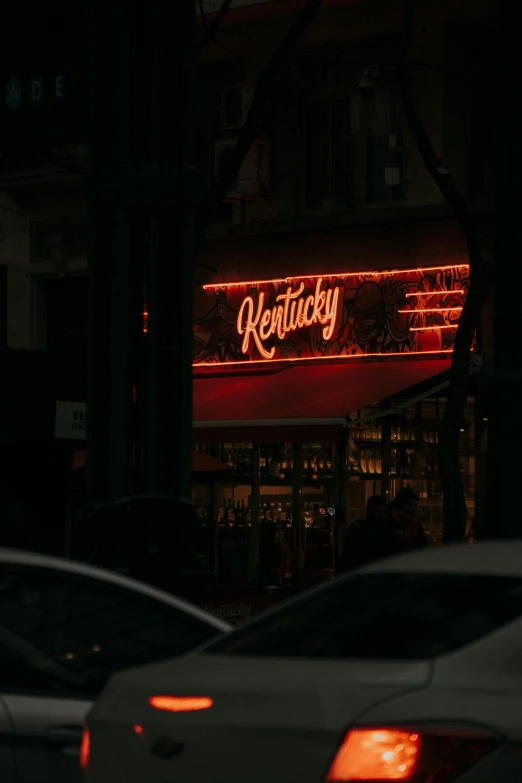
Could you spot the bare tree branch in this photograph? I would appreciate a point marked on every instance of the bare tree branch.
(254, 119)
(480, 284)
(213, 27)
(202, 15)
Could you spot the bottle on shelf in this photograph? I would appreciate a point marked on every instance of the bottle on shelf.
(273, 468)
(222, 513)
(231, 513)
(393, 463)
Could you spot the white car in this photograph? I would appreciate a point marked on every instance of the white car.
(64, 629)
(406, 670)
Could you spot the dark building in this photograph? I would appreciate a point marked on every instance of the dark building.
(332, 202)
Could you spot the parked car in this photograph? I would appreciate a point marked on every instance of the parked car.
(407, 670)
(64, 629)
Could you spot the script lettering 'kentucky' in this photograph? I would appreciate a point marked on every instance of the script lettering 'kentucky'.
(294, 312)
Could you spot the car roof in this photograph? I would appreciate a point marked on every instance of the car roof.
(501, 558)
(492, 558)
(22, 557)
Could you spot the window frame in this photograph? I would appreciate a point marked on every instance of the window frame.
(332, 95)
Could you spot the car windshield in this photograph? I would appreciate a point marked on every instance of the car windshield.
(386, 616)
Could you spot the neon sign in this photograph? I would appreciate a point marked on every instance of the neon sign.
(294, 312)
(337, 316)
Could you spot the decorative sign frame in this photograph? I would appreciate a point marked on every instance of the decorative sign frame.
(336, 316)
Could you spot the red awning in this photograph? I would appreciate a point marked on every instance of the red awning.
(207, 468)
(313, 398)
(204, 467)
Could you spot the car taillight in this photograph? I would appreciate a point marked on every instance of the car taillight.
(418, 755)
(85, 749)
(181, 703)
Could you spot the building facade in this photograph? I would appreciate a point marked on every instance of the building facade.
(332, 202)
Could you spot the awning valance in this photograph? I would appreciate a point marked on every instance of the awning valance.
(304, 402)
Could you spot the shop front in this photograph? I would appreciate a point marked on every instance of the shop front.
(319, 391)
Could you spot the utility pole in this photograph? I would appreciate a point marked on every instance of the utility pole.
(504, 461)
(142, 194)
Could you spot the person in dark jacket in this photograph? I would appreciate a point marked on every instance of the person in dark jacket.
(371, 538)
(404, 515)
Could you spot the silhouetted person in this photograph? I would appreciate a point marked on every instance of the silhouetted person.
(404, 515)
(371, 538)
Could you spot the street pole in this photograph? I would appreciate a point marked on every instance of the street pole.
(504, 437)
(142, 195)
(109, 393)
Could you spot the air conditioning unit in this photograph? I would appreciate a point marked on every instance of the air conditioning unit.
(253, 178)
(235, 103)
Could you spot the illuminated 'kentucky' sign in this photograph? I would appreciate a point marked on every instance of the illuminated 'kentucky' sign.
(330, 316)
(292, 311)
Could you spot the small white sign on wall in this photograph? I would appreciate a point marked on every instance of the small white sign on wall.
(69, 422)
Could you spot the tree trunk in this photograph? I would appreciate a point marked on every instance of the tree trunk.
(455, 513)
(212, 29)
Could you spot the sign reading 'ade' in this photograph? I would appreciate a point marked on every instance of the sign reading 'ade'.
(44, 79)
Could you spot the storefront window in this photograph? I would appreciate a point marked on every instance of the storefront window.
(390, 451)
(257, 538)
(281, 513)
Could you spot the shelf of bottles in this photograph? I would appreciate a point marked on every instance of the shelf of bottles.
(408, 444)
(276, 463)
(382, 455)
(236, 529)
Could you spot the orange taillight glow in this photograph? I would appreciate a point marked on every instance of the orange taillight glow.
(181, 703)
(85, 749)
(376, 754)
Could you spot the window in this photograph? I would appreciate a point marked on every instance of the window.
(482, 140)
(215, 135)
(67, 314)
(3, 307)
(331, 153)
(354, 151)
(66, 635)
(388, 616)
